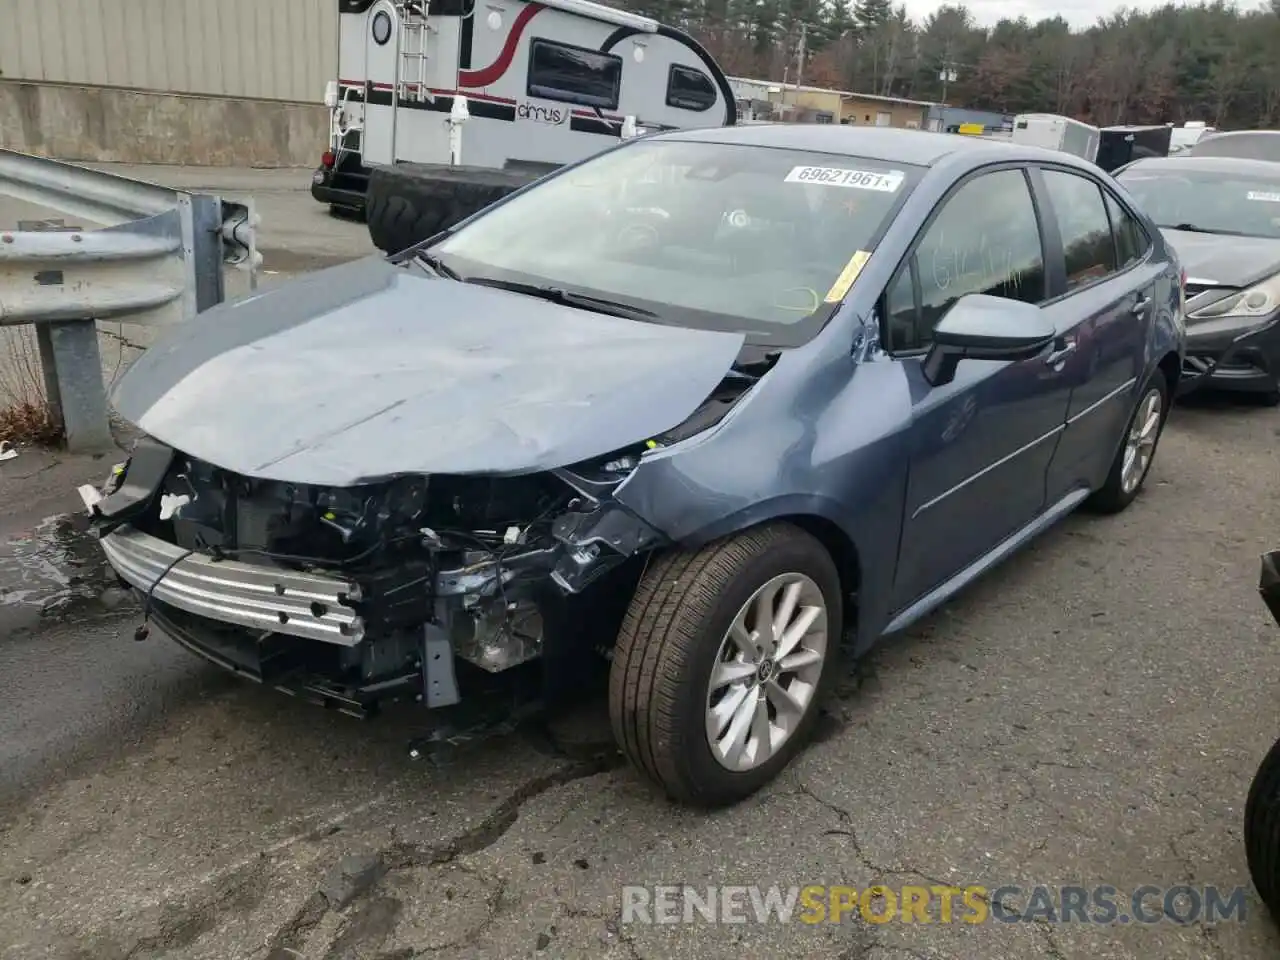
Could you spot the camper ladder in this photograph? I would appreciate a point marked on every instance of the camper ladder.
(412, 68)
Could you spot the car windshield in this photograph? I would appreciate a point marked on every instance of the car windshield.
(716, 236)
(1212, 201)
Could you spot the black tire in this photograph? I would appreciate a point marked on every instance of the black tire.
(1111, 497)
(341, 212)
(408, 203)
(668, 644)
(1262, 830)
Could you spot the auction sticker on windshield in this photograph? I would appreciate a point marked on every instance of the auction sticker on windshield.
(1264, 196)
(887, 182)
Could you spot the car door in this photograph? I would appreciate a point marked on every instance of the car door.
(980, 446)
(1101, 308)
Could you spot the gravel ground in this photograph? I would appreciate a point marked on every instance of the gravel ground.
(1090, 713)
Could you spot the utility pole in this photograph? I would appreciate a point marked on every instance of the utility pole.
(800, 52)
(786, 70)
(948, 72)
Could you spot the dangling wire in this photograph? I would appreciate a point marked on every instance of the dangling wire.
(143, 629)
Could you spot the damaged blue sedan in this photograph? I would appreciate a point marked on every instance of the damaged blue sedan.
(701, 411)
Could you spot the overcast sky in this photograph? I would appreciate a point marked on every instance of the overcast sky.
(1078, 13)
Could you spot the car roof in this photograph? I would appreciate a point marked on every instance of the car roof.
(1210, 164)
(1243, 134)
(1247, 144)
(890, 144)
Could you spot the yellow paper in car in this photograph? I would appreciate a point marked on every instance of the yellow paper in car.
(847, 276)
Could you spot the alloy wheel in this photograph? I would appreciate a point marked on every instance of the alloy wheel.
(766, 672)
(1140, 445)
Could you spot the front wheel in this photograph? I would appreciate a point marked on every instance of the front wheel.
(1262, 830)
(1137, 452)
(722, 661)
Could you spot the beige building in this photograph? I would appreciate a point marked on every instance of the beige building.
(821, 105)
(267, 49)
(235, 82)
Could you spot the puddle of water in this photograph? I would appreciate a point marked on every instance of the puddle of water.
(54, 570)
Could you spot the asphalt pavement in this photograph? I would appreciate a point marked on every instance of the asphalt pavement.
(1088, 714)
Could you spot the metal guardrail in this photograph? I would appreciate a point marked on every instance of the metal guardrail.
(156, 258)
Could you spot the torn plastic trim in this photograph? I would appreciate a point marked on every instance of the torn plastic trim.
(589, 543)
(131, 486)
(597, 541)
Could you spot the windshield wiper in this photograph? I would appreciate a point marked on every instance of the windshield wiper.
(568, 298)
(1192, 228)
(436, 265)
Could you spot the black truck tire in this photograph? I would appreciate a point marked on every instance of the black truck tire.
(1262, 830)
(410, 202)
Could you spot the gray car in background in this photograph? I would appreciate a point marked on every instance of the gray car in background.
(710, 403)
(1242, 144)
(1222, 216)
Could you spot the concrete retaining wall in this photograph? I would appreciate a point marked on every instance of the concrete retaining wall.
(103, 124)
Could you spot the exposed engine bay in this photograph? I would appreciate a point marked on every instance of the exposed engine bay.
(354, 595)
(488, 569)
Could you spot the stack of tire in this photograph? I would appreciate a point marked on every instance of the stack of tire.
(411, 202)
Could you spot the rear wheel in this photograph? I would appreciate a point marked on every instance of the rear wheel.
(722, 661)
(1136, 454)
(1262, 830)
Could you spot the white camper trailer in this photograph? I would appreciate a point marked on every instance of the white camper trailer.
(444, 107)
(1055, 132)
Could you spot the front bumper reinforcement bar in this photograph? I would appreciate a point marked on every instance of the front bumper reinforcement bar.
(259, 598)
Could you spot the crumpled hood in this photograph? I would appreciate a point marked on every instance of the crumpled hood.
(1226, 261)
(369, 370)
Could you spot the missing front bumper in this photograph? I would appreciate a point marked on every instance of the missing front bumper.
(390, 629)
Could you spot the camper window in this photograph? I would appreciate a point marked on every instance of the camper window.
(689, 89)
(558, 71)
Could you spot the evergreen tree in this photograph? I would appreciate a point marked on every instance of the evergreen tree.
(872, 14)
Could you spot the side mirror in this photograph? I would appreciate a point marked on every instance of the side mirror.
(982, 327)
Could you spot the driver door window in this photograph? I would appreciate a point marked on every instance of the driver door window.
(985, 239)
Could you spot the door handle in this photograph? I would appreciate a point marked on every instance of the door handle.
(1140, 306)
(1061, 354)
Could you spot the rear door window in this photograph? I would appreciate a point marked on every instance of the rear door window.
(1084, 225)
(1132, 242)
